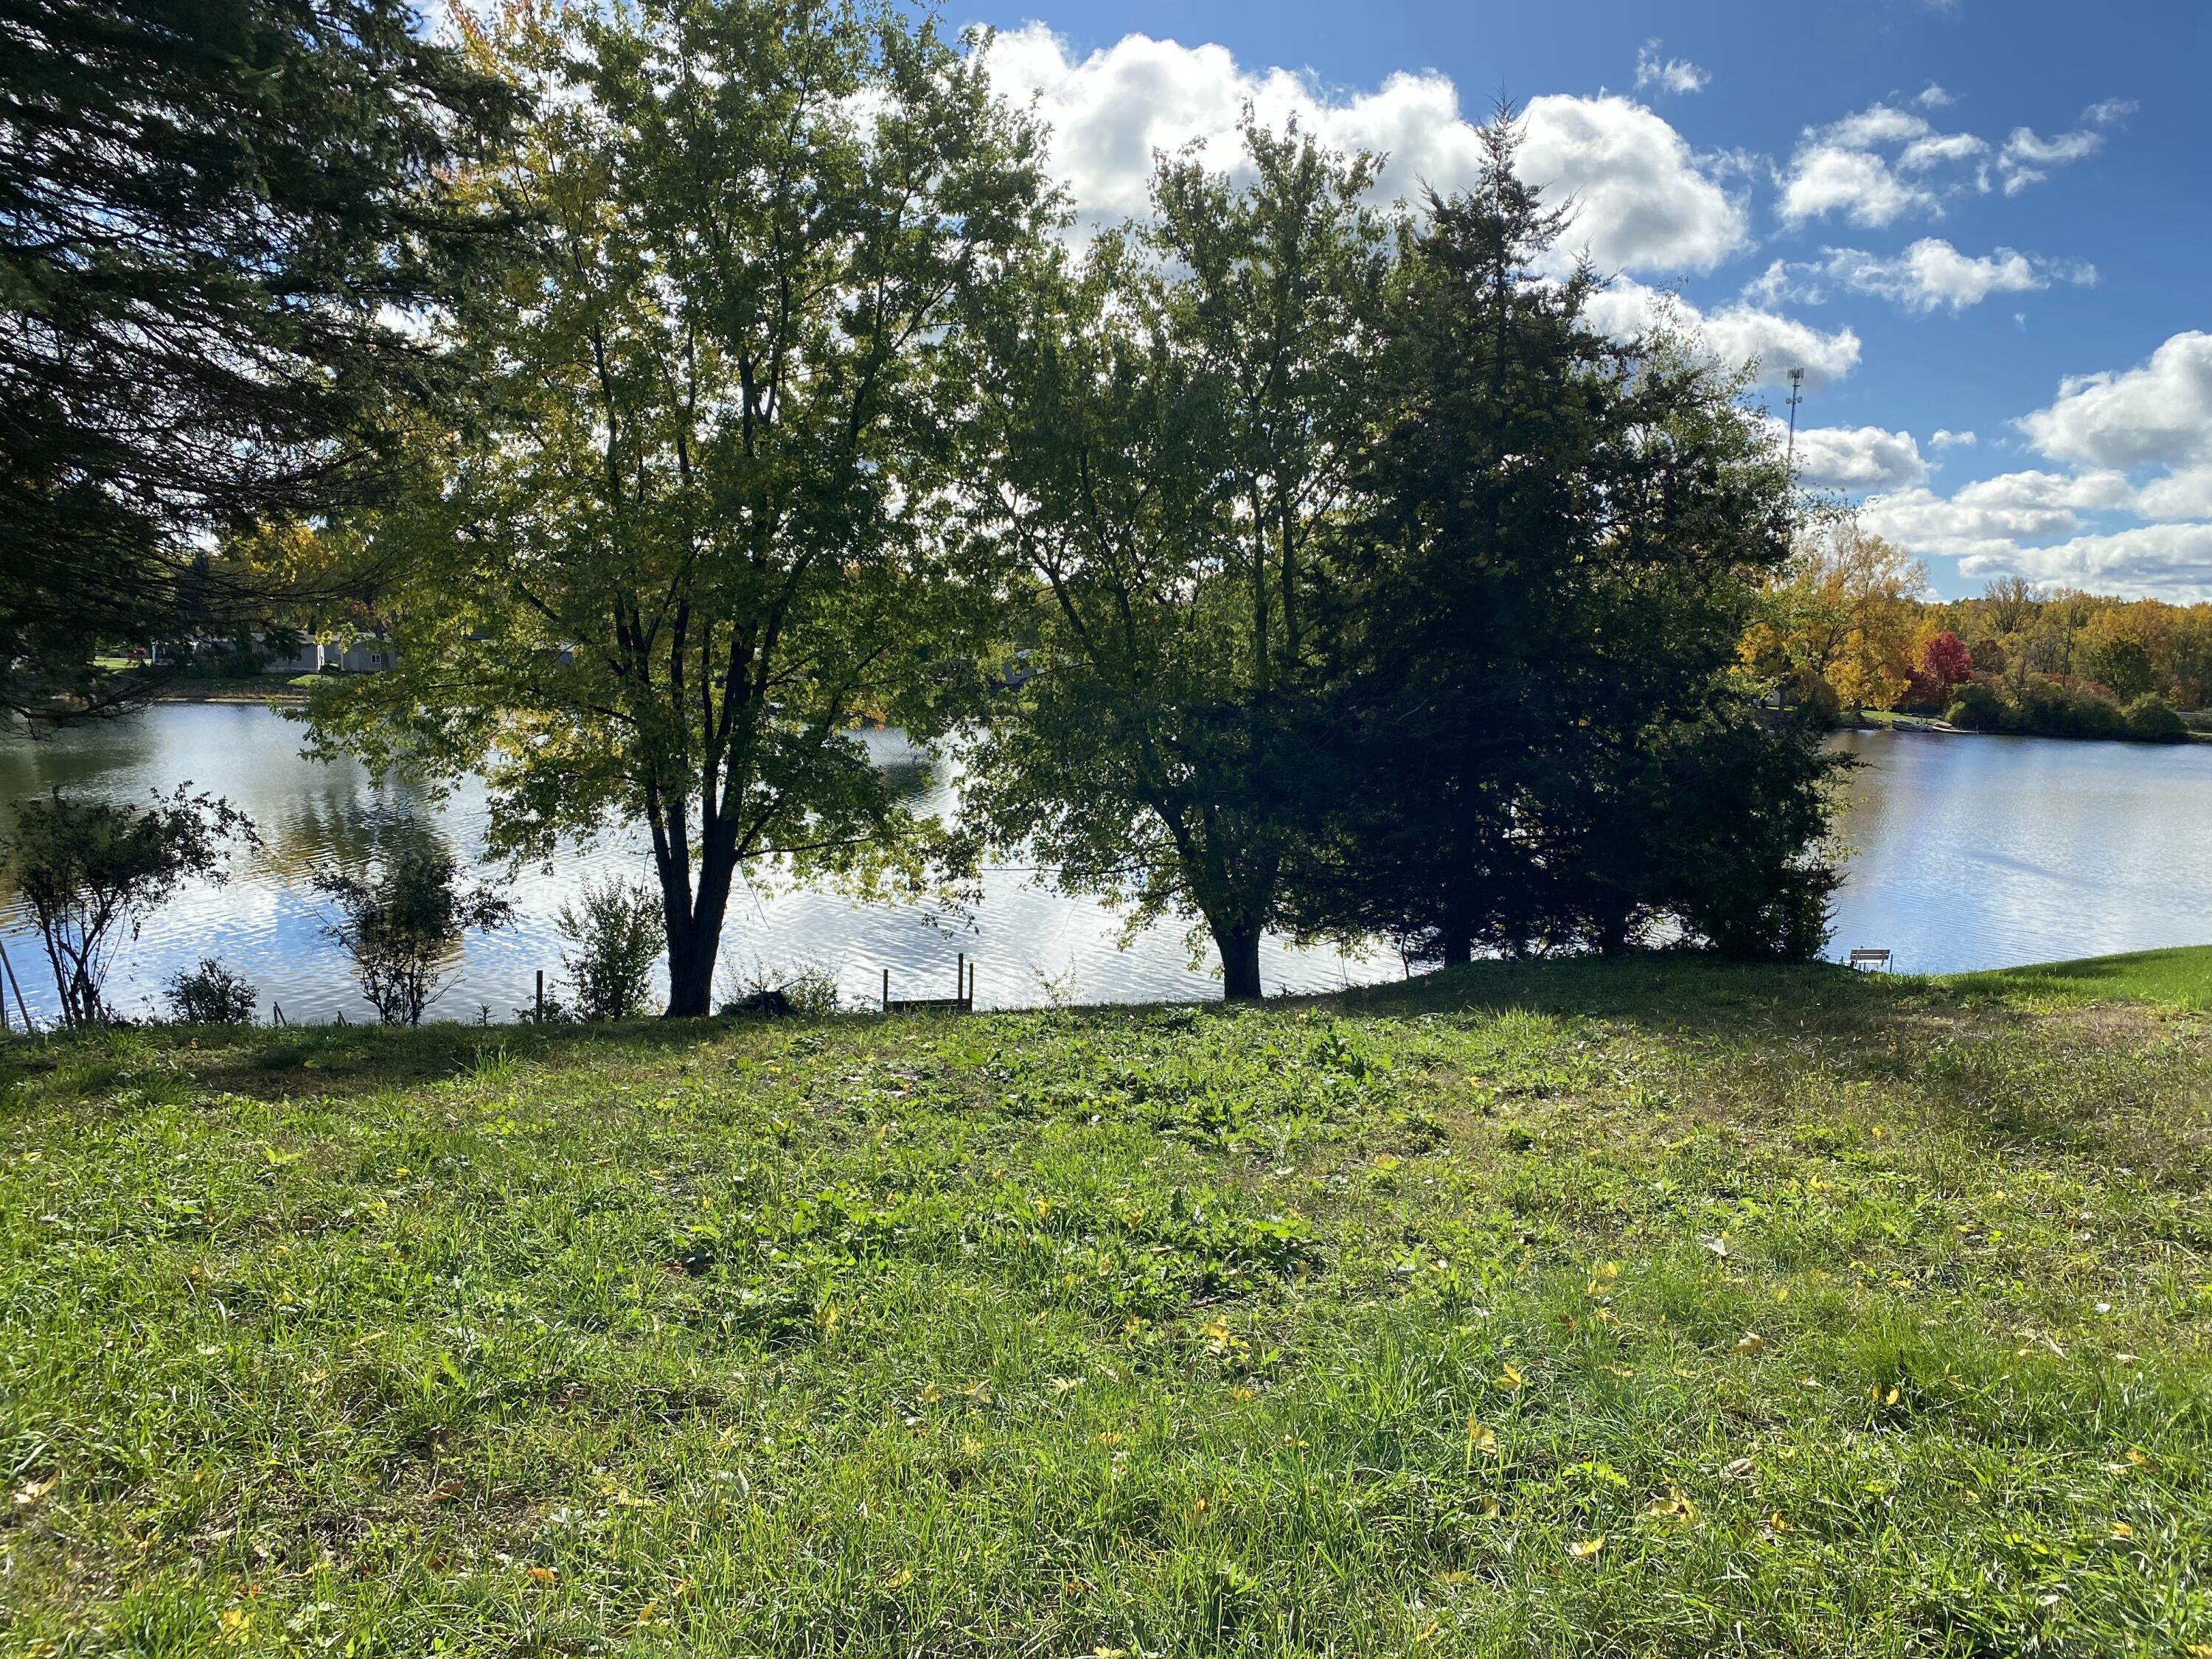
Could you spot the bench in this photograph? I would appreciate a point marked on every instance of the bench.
(1865, 958)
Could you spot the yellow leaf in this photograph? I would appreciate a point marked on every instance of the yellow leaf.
(930, 1395)
(541, 1575)
(2122, 1529)
(1622, 1370)
(235, 1622)
(1485, 1438)
(623, 1500)
(1426, 1633)
(27, 1495)
(1511, 1378)
(1583, 1549)
(645, 1614)
(1672, 1507)
(900, 1579)
(1775, 1522)
(1750, 1343)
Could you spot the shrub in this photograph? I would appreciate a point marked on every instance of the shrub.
(210, 994)
(2149, 719)
(615, 930)
(810, 993)
(91, 872)
(1975, 706)
(401, 920)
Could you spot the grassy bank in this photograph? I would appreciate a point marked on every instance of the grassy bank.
(1638, 1307)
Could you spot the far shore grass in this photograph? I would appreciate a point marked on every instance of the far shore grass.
(1650, 1307)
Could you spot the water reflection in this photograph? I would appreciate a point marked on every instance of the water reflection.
(1971, 853)
(1984, 852)
(267, 921)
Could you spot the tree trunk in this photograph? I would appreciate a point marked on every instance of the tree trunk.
(695, 927)
(1458, 950)
(1239, 945)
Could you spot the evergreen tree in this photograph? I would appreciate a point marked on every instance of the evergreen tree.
(1556, 542)
(220, 220)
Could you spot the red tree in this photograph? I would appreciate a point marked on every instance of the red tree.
(1945, 661)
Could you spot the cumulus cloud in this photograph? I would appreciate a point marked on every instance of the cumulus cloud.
(2133, 516)
(1885, 162)
(1858, 458)
(1732, 334)
(1929, 274)
(1944, 438)
(2158, 413)
(1644, 200)
(1990, 517)
(2028, 159)
(2171, 561)
(1675, 75)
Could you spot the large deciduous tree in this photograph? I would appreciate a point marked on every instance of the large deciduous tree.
(704, 539)
(1170, 414)
(221, 225)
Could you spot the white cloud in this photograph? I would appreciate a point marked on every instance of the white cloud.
(2028, 159)
(2158, 413)
(2171, 561)
(1675, 75)
(2072, 527)
(1989, 519)
(1877, 165)
(1644, 200)
(1944, 438)
(1839, 168)
(1858, 458)
(1642, 203)
(1933, 97)
(2110, 111)
(1733, 335)
(1929, 274)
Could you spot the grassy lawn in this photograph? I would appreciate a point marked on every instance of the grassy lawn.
(1646, 1308)
(2179, 979)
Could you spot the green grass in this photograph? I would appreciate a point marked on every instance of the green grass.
(2180, 979)
(1851, 1315)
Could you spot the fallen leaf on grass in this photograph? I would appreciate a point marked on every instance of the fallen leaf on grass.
(900, 1579)
(1484, 1437)
(1584, 1548)
(1510, 1379)
(541, 1575)
(2121, 1530)
(1750, 1343)
(1672, 1507)
(27, 1495)
(1742, 1468)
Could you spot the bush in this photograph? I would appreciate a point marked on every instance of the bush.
(210, 994)
(401, 920)
(2149, 719)
(810, 993)
(1976, 708)
(617, 931)
(91, 872)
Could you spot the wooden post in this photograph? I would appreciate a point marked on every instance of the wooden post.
(20, 1006)
(541, 996)
(887, 990)
(959, 976)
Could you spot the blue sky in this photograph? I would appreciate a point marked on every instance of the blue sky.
(1984, 216)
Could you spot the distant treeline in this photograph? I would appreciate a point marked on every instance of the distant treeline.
(1844, 630)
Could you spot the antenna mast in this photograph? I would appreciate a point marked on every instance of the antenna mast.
(1796, 397)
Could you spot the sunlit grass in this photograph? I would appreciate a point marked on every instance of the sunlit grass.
(1638, 1307)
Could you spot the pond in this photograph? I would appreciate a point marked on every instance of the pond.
(1029, 943)
(1968, 852)
(1987, 851)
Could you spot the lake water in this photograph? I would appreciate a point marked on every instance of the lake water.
(1029, 943)
(1970, 853)
(1988, 852)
